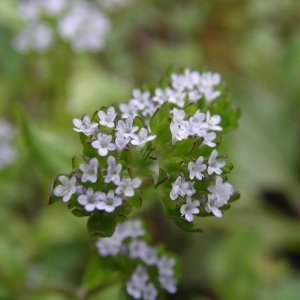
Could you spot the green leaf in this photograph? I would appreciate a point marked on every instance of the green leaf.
(136, 200)
(187, 226)
(162, 177)
(49, 153)
(101, 224)
(160, 116)
(191, 109)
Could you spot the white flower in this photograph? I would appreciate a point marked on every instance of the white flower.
(165, 266)
(149, 292)
(215, 164)
(137, 248)
(89, 200)
(208, 138)
(84, 27)
(182, 188)
(209, 93)
(89, 170)
(186, 80)
(212, 205)
(113, 171)
(126, 128)
(85, 125)
(178, 115)
(187, 210)
(34, 36)
(142, 138)
(221, 191)
(140, 99)
(210, 79)
(7, 151)
(109, 246)
(107, 119)
(212, 121)
(196, 168)
(108, 202)
(168, 283)
(121, 141)
(103, 144)
(66, 189)
(137, 282)
(127, 186)
(130, 228)
(129, 109)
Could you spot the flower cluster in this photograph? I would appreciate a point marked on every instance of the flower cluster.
(79, 23)
(165, 137)
(7, 151)
(154, 269)
(164, 141)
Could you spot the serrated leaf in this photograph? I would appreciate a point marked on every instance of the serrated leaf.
(191, 109)
(187, 226)
(136, 200)
(159, 116)
(101, 224)
(75, 162)
(162, 177)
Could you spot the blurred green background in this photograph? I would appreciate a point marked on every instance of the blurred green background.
(253, 251)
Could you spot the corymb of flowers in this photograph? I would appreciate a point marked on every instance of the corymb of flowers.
(162, 144)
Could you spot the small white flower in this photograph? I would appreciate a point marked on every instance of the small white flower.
(187, 210)
(178, 115)
(113, 171)
(89, 170)
(103, 144)
(215, 164)
(149, 292)
(137, 282)
(66, 189)
(121, 141)
(85, 125)
(208, 139)
(165, 266)
(34, 36)
(168, 283)
(210, 79)
(129, 109)
(84, 27)
(221, 191)
(212, 205)
(137, 249)
(182, 188)
(211, 122)
(140, 99)
(196, 168)
(130, 228)
(89, 200)
(108, 202)
(127, 186)
(109, 246)
(107, 119)
(126, 128)
(142, 138)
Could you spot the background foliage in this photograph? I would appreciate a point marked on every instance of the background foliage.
(253, 252)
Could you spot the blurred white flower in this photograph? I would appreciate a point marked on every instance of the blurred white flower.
(78, 22)
(84, 27)
(7, 151)
(34, 36)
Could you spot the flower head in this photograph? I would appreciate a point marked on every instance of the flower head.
(103, 144)
(89, 170)
(191, 207)
(66, 189)
(89, 200)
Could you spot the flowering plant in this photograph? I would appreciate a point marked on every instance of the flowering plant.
(165, 139)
